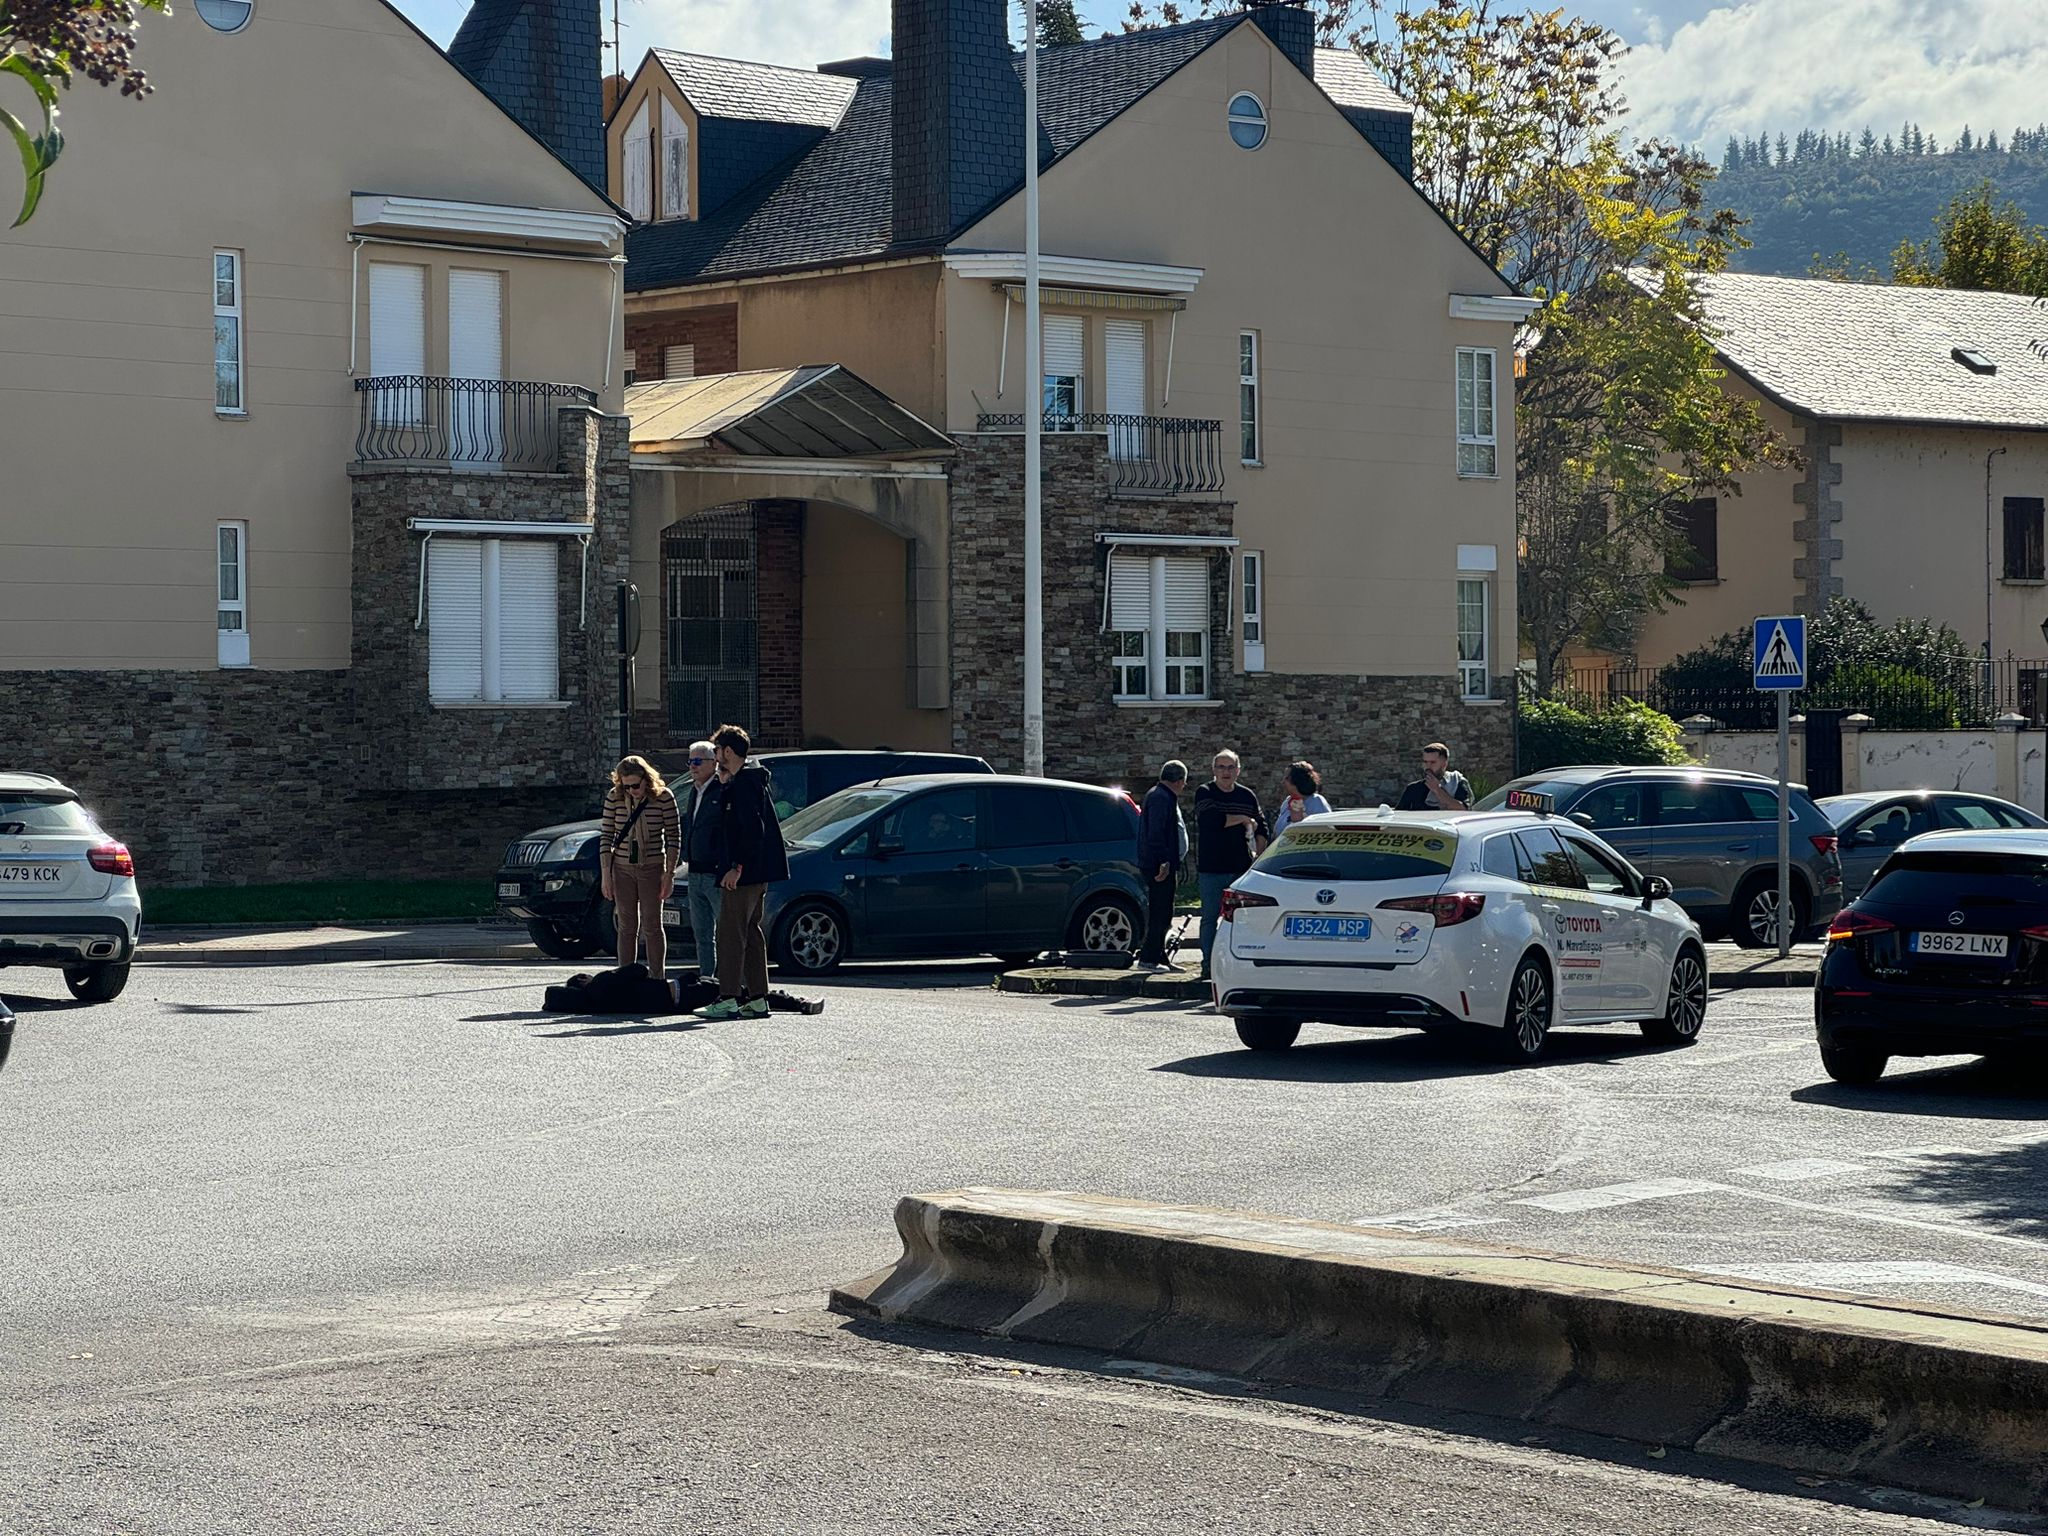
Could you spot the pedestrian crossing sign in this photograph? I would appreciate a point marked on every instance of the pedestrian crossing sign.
(1779, 652)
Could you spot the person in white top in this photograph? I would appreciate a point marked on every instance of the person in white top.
(1302, 795)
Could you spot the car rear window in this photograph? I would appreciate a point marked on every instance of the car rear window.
(1026, 816)
(25, 815)
(1100, 818)
(1942, 877)
(1360, 853)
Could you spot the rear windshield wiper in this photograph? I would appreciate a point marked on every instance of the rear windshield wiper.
(1309, 872)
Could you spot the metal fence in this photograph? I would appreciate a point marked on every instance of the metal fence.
(1148, 455)
(414, 419)
(1968, 692)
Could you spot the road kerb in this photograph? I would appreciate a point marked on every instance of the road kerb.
(1942, 1401)
(1148, 986)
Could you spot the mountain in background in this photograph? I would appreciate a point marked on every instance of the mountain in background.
(1819, 194)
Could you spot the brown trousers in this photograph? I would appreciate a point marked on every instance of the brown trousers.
(636, 906)
(742, 943)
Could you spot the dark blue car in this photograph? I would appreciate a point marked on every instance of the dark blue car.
(957, 864)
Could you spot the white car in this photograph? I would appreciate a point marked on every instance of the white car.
(1505, 921)
(67, 890)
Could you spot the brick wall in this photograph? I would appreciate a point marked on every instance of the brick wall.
(714, 332)
(779, 556)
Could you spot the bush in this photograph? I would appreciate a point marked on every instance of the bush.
(1552, 732)
(1898, 700)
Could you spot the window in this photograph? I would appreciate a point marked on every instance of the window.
(679, 361)
(1696, 804)
(1475, 603)
(1247, 120)
(1612, 806)
(1498, 858)
(1477, 446)
(231, 593)
(675, 163)
(225, 15)
(636, 165)
(1248, 397)
(1601, 877)
(1159, 626)
(2023, 552)
(631, 365)
(228, 399)
(1545, 861)
(1123, 368)
(1064, 363)
(398, 341)
(493, 621)
(943, 822)
(1023, 816)
(1254, 573)
(1095, 816)
(1697, 526)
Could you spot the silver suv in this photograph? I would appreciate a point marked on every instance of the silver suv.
(67, 890)
(1713, 833)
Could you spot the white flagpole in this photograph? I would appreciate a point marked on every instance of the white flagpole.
(1034, 411)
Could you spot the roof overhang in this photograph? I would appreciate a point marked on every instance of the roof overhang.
(817, 414)
(447, 219)
(1511, 307)
(1002, 267)
(1170, 540)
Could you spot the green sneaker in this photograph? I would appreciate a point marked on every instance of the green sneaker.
(724, 1008)
(757, 1009)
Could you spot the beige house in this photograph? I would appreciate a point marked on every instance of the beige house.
(306, 361)
(1279, 498)
(1920, 416)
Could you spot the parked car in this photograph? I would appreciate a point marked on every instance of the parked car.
(549, 878)
(67, 890)
(1944, 954)
(1711, 832)
(1874, 823)
(954, 864)
(1496, 924)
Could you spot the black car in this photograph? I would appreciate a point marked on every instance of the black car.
(549, 880)
(1944, 954)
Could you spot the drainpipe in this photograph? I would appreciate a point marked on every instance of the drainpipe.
(1988, 652)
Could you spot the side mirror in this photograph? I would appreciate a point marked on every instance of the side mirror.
(1583, 819)
(1865, 838)
(884, 850)
(1655, 889)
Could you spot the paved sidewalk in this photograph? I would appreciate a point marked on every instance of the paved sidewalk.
(284, 945)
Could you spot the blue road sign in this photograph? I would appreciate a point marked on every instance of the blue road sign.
(1779, 652)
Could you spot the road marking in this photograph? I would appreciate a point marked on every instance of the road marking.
(1855, 1213)
(1794, 1169)
(1441, 1219)
(1934, 1150)
(1621, 1194)
(2026, 1138)
(1873, 1276)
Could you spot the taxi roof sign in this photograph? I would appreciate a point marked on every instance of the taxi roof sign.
(1531, 800)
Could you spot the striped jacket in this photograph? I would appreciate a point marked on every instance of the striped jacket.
(656, 840)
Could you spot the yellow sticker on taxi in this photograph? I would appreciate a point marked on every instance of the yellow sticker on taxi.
(1427, 844)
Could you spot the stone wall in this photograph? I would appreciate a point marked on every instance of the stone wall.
(1361, 732)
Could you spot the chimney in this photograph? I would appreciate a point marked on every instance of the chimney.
(957, 110)
(543, 62)
(1292, 29)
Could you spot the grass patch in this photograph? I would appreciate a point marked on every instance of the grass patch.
(320, 901)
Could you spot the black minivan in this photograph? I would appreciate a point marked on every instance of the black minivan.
(549, 877)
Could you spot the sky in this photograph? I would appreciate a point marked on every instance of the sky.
(1697, 70)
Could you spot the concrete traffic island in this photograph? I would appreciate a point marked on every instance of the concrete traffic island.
(1941, 1401)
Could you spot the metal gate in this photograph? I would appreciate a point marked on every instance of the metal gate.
(709, 580)
(1824, 752)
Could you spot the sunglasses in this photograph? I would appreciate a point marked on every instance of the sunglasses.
(632, 783)
(699, 762)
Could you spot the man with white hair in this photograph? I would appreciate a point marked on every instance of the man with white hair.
(700, 849)
(1230, 831)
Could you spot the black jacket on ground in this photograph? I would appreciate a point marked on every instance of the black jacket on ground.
(750, 834)
(703, 836)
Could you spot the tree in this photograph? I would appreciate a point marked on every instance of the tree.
(1866, 146)
(1333, 17)
(1977, 245)
(1057, 23)
(45, 44)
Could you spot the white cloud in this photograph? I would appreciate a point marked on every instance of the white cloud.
(803, 33)
(1787, 64)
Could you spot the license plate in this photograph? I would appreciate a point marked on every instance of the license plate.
(1968, 946)
(508, 888)
(1318, 927)
(671, 918)
(30, 874)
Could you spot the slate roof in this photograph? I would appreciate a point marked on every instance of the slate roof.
(765, 93)
(1864, 352)
(1349, 81)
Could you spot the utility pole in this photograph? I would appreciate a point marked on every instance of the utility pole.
(1034, 424)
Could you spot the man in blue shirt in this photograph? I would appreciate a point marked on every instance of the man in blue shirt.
(1162, 844)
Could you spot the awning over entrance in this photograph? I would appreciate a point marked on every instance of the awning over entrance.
(820, 411)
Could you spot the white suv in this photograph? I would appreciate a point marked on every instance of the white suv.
(67, 890)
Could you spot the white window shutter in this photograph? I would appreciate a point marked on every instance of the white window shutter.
(476, 325)
(1130, 592)
(679, 361)
(635, 167)
(529, 619)
(1123, 352)
(455, 654)
(1065, 346)
(1187, 594)
(675, 162)
(398, 319)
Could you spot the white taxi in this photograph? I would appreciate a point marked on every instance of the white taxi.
(1510, 921)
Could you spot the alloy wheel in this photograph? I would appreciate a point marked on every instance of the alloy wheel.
(814, 940)
(1532, 1009)
(1108, 929)
(1688, 996)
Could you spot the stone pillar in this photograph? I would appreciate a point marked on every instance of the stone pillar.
(1699, 733)
(1795, 757)
(2009, 726)
(1853, 727)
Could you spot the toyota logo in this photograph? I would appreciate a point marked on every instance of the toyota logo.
(1325, 897)
(1955, 919)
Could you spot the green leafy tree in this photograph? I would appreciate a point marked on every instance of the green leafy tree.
(1058, 25)
(1977, 244)
(1552, 732)
(46, 44)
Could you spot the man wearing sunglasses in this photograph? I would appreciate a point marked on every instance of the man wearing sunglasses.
(705, 857)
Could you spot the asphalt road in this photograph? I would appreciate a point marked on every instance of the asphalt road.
(379, 1247)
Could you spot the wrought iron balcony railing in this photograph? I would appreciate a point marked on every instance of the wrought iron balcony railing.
(1148, 455)
(413, 419)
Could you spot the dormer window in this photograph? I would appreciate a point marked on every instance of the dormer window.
(1973, 360)
(636, 166)
(675, 163)
(1247, 121)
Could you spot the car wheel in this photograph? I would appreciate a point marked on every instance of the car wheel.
(1268, 1034)
(813, 940)
(1685, 1006)
(100, 982)
(550, 940)
(1530, 1005)
(601, 932)
(1106, 926)
(1853, 1064)
(1756, 913)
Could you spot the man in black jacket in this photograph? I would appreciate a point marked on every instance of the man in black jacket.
(1162, 838)
(1230, 831)
(753, 858)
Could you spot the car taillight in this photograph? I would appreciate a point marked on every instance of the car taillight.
(2039, 931)
(112, 859)
(1853, 925)
(1235, 901)
(1826, 843)
(1449, 908)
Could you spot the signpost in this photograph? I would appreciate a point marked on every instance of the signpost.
(1778, 657)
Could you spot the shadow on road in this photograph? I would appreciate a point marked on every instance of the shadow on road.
(1972, 1090)
(1404, 1058)
(2008, 1186)
(22, 1004)
(674, 1024)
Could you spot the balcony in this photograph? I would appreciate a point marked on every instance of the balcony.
(1146, 455)
(411, 420)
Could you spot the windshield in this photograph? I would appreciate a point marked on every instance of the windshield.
(1359, 853)
(1559, 790)
(21, 815)
(831, 818)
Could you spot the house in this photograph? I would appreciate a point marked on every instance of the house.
(316, 488)
(1278, 483)
(1920, 420)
